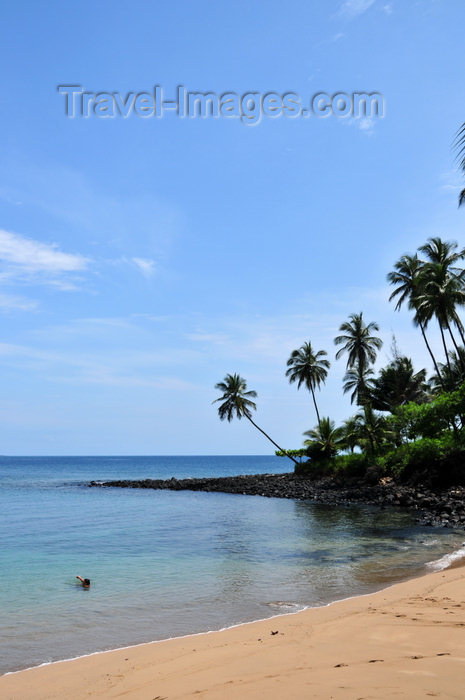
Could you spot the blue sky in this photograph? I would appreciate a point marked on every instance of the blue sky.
(143, 259)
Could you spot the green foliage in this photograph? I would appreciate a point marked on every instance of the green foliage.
(325, 440)
(302, 452)
(235, 398)
(352, 465)
(437, 460)
(432, 419)
(398, 384)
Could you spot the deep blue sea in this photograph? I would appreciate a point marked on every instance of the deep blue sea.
(165, 564)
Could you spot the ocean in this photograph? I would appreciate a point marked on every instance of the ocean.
(164, 564)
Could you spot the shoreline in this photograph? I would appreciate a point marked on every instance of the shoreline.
(171, 662)
(456, 560)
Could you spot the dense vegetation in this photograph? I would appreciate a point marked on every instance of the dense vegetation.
(407, 426)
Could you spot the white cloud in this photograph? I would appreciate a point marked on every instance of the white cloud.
(388, 8)
(35, 256)
(353, 8)
(16, 303)
(147, 267)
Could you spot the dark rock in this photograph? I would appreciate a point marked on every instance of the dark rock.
(436, 507)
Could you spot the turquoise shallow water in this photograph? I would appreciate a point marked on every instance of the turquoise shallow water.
(164, 564)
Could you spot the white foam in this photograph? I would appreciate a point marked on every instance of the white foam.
(447, 560)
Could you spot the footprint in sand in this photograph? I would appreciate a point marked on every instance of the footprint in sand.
(375, 661)
(340, 665)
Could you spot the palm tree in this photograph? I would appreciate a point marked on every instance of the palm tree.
(407, 276)
(359, 383)
(358, 342)
(371, 429)
(441, 294)
(308, 367)
(360, 346)
(350, 433)
(450, 380)
(326, 438)
(236, 403)
(442, 288)
(443, 253)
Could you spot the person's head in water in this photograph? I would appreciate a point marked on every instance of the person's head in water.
(85, 581)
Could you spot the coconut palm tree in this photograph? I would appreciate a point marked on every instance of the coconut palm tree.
(360, 346)
(407, 276)
(371, 429)
(449, 380)
(359, 383)
(444, 253)
(308, 367)
(358, 342)
(325, 438)
(445, 278)
(237, 403)
(350, 433)
(442, 292)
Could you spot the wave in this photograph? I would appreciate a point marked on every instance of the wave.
(456, 558)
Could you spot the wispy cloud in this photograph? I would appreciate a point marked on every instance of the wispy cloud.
(36, 256)
(23, 257)
(353, 8)
(102, 218)
(147, 267)
(16, 303)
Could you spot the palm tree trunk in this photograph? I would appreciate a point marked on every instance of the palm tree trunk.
(458, 323)
(445, 349)
(459, 357)
(271, 440)
(431, 353)
(316, 407)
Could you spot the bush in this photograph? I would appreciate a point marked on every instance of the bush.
(352, 465)
(438, 461)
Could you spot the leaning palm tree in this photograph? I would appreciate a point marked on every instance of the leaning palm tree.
(308, 367)
(236, 403)
(407, 278)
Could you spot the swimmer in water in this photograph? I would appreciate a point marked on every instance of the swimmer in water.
(85, 581)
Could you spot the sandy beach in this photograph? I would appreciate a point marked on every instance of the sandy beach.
(407, 641)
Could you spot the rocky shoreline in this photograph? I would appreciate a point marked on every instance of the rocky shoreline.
(444, 508)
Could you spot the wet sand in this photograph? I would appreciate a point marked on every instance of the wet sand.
(407, 641)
